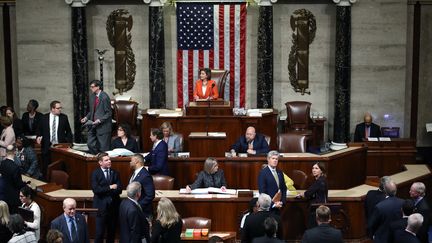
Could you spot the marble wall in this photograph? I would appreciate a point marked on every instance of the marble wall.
(380, 41)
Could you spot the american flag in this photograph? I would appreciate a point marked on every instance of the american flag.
(213, 36)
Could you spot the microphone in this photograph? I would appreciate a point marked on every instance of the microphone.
(208, 108)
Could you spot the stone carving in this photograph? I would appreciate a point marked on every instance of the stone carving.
(118, 28)
(303, 24)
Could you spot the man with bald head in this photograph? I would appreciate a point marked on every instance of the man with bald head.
(72, 225)
(366, 129)
(251, 143)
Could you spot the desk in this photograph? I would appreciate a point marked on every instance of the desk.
(225, 236)
(200, 142)
(234, 126)
(345, 168)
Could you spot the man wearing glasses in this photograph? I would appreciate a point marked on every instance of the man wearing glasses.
(53, 128)
(98, 119)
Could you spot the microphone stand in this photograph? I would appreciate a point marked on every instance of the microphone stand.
(208, 109)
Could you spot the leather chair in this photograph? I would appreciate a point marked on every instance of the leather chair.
(196, 223)
(292, 142)
(298, 117)
(299, 178)
(163, 182)
(220, 76)
(126, 111)
(60, 177)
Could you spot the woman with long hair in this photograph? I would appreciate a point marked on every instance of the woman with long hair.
(5, 233)
(168, 225)
(26, 197)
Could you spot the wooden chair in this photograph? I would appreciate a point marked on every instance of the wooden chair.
(163, 182)
(220, 76)
(60, 177)
(87, 212)
(299, 178)
(196, 223)
(292, 143)
(56, 165)
(339, 218)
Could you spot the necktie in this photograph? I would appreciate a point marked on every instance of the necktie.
(276, 177)
(132, 177)
(73, 229)
(54, 131)
(95, 105)
(366, 131)
(107, 174)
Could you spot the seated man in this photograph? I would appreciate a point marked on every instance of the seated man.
(324, 232)
(366, 129)
(251, 143)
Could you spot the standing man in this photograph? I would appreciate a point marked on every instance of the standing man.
(72, 225)
(251, 143)
(53, 128)
(134, 227)
(271, 180)
(99, 117)
(366, 129)
(142, 176)
(373, 197)
(106, 188)
(158, 156)
(324, 232)
(417, 193)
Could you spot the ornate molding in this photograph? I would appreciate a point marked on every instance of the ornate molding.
(155, 3)
(265, 2)
(77, 3)
(344, 3)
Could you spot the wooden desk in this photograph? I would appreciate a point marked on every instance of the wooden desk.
(202, 144)
(225, 236)
(216, 108)
(387, 157)
(234, 126)
(345, 168)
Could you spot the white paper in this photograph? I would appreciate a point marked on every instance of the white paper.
(384, 139)
(428, 127)
(119, 152)
(372, 139)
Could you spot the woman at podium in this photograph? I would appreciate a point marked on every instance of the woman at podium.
(205, 88)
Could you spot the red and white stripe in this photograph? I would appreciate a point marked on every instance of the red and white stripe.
(229, 53)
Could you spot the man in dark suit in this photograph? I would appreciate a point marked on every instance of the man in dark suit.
(271, 181)
(99, 119)
(271, 228)
(53, 128)
(401, 224)
(324, 232)
(251, 143)
(72, 225)
(254, 223)
(10, 180)
(408, 235)
(384, 213)
(31, 118)
(106, 186)
(141, 175)
(133, 224)
(373, 197)
(366, 129)
(158, 157)
(417, 194)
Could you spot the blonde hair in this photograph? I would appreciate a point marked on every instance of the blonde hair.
(167, 213)
(167, 125)
(209, 164)
(4, 213)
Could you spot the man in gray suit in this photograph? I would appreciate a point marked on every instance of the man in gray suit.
(98, 119)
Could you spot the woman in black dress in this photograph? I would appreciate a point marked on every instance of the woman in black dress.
(124, 139)
(168, 225)
(211, 176)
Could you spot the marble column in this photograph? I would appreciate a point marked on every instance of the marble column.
(265, 55)
(342, 87)
(79, 65)
(157, 80)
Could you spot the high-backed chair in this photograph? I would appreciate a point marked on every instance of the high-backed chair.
(220, 76)
(292, 142)
(299, 178)
(60, 177)
(196, 223)
(298, 117)
(126, 111)
(163, 182)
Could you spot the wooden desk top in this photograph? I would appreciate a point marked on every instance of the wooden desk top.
(225, 235)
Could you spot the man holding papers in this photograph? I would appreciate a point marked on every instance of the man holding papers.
(271, 181)
(211, 176)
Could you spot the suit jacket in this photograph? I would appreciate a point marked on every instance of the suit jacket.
(266, 239)
(318, 191)
(422, 208)
(174, 143)
(131, 144)
(162, 234)
(60, 224)
(205, 180)
(17, 127)
(384, 213)
(157, 159)
(147, 191)
(395, 226)
(201, 95)
(64, 132)
(260, 145)
(105, 199)
(267, 183)
(359, 134)
(402, 236)
(10, 184)
(254, 226)
(102, 112)
(373, 197)
(323, 233)
(133, 224)
(26, 126)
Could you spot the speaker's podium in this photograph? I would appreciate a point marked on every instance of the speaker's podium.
(218, 107)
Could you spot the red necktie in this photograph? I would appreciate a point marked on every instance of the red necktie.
(95, 105)
(366, 132)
